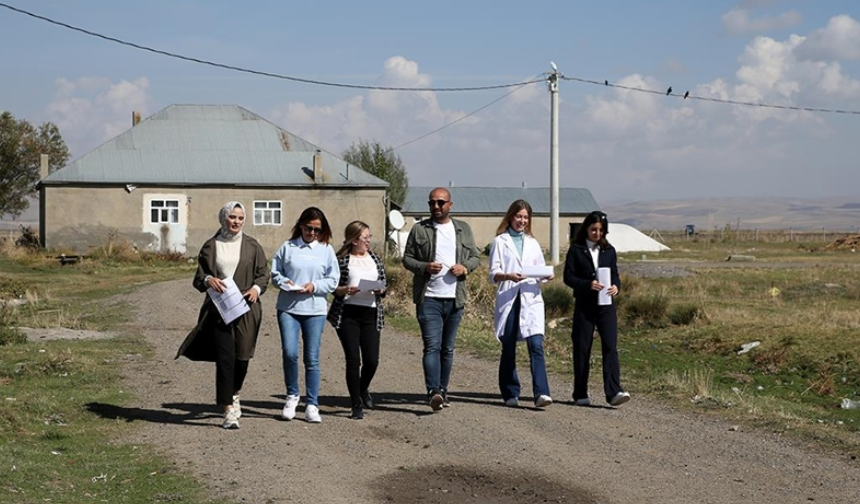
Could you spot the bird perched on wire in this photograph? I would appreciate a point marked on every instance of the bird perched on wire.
(669, 91)
(686, 95)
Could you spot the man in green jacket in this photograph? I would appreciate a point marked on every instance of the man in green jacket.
(439, 252)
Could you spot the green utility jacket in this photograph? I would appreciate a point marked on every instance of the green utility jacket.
(421, 250)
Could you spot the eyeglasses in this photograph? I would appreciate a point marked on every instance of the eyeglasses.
(437, 202)
(311, 229)
(365, 238)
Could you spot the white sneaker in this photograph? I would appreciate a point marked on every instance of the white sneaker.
(513, 402)
(582, 402)
(619, 399)
(236, 406)
(543, 401)
(312, 414)
(231, 419)
(289, 411)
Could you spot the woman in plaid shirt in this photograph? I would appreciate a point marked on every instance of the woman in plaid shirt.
(357, 314)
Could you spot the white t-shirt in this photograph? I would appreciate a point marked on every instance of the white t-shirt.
(361, 268)
(444, 284)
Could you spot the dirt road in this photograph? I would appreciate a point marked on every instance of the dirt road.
(477, 451)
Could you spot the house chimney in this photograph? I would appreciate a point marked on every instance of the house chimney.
(43, 166)
(135, 118)
(318, 173)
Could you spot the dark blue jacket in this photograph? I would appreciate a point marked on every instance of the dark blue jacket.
(579, 271)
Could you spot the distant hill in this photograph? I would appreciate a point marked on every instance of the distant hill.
(833, 214)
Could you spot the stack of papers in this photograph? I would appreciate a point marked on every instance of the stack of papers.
(230, 303)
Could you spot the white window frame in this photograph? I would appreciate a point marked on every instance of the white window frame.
(167, 211)
(268, 212)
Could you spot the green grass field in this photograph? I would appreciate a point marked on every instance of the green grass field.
(679, 336)
(53, 448)
(678, 340)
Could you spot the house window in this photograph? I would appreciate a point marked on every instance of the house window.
(267, 213)
(164, 211)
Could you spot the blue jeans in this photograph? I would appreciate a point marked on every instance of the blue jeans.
(509, 381)
(439, 320)
(311, 327)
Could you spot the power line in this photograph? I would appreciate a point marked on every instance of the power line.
(465, 116)
(517, 85)
(251, 71)
(688, 96)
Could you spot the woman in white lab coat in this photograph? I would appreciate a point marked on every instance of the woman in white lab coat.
(514, 256)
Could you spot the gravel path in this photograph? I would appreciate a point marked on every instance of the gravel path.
(477, 451)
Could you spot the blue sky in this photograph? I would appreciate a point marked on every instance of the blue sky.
(619, 144)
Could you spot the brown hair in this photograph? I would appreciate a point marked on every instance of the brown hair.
(309, 214)
(514, 209)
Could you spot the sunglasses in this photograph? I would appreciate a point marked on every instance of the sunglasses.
(437, 202)
(311, 229)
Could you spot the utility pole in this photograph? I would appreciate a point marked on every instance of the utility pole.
(552, 84)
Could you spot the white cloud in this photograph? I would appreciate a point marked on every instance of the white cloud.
(739, 22)
(618, 143)
(92, 110)
(839, 40)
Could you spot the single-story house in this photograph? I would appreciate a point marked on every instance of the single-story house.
(161, 183)
(484, 207)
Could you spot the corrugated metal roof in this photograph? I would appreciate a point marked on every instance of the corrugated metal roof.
(209, 144)
(496, 200)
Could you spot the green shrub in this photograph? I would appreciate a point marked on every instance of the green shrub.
(558, 299)
(684, 314)
(647, 310)
(9, 334)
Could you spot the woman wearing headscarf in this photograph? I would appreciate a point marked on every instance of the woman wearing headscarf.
(589, 251)
(357, 314)
(229, 254)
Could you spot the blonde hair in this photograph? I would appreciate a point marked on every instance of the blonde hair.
(514, 209)
(352, 231)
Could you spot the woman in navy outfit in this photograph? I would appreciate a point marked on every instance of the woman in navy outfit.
(590, 250)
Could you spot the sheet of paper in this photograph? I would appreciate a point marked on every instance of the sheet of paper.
(537, 271)
(370, 285)
(291, 287)
(230, 303)
(604, 276)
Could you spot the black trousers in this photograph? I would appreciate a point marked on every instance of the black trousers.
(360, 340)
(229, 372)
(585, 319)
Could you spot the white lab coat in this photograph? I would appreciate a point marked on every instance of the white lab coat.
(504, 259)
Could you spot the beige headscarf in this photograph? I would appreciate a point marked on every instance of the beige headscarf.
(225, 211)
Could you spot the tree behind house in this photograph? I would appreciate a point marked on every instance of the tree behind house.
(380, 162)
(21, 147)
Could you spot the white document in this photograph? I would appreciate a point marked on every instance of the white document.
(370, 285)
(604, 276)
(291, 287)
(230, 303)
(537, 271)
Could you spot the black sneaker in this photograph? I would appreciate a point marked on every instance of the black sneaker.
(367, 400)
(357, 413)
(445, 402)
(436, 401)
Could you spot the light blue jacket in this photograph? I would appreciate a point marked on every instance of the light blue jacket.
(302, 263)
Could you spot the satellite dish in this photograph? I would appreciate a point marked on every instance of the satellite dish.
(395, 218)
